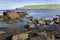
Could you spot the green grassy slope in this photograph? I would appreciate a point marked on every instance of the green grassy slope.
(55, 6)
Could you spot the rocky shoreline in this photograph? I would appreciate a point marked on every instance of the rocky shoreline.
(35, 29)
(40, 29)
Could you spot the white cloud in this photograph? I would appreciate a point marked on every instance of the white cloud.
(12, 4)
(9, 5)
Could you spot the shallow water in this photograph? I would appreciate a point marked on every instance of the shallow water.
(47, 14)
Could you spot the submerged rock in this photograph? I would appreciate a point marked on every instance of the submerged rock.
(29, 26)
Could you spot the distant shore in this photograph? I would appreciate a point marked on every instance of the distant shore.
(49, 6)
(37, 9)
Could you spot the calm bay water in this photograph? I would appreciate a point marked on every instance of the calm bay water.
(48, 14)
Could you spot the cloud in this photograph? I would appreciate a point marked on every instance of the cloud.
(12, 4)
(8, 5)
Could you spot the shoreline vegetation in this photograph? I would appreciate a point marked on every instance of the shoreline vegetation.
(49, 6)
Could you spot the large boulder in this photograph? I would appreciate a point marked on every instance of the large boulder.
(21, 36)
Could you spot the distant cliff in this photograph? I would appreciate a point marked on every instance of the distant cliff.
(50, 6)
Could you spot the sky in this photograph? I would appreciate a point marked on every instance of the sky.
(12, 4)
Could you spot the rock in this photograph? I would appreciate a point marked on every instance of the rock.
(26, 26)
(50, 35)
(41, 21)
(2, 32)
(49, 22)
(31, 25)
(56, 20)
(58, 16)
(31, 18)
(22, 36)
(33, 34)
(11, 14)
(22, 14)
(1, 18)
(29, 22)
(36, 20)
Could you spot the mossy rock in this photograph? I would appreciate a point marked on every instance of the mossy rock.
(12, 21)
(1, 32)
(1, 20)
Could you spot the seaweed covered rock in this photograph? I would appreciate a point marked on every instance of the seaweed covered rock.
(49, 22)
(41, 21)
(22, 14)
(1, 18)
(57, 19)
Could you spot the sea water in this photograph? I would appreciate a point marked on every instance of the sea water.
(47, 14)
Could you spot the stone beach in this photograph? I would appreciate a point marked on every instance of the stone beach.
(34, 29)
